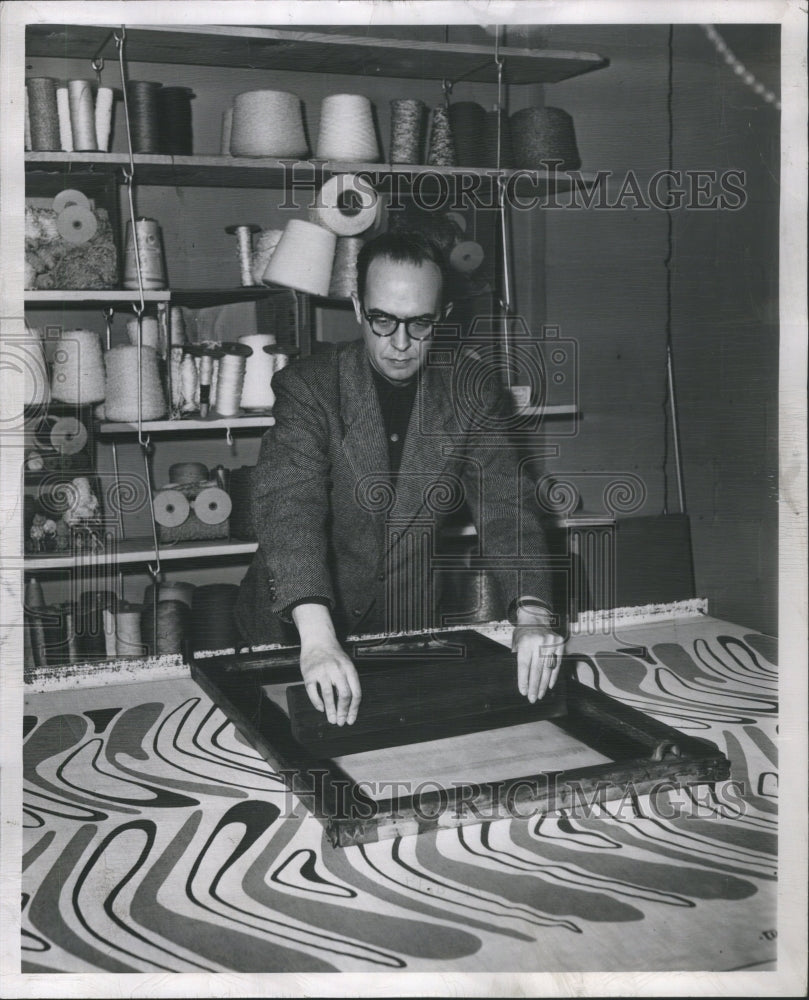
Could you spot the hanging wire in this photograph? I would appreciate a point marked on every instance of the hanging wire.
(140, 306)
(505, 297)
(669, 397)
(98, 65)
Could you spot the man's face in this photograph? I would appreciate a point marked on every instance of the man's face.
(406, 291)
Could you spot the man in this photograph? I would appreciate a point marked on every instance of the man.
(373, 445)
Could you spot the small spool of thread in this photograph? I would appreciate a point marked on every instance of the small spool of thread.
(164, 627)
(128, 638)
(76, 224)
(122, 384)
(212, 505)
(110, 645)
(188, 473)
(171, 508)
(344, 271)
(227, 129)
(442, 147)
(244, 236)
(103, 117)
(207, 388)
(78, 368)
(82, 115)
(142, 97)
(407, 125)
(230, 384)
(188, 384)
(68, 436)
(43, 113)
(65, 128)
(150, 328)
(265, 245)
(466, 256)
(257, 391)
(212, 622)
(174, 116)
(69, 197)
(150, 248)
(177, 325)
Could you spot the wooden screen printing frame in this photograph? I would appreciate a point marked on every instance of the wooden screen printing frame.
(643, 752)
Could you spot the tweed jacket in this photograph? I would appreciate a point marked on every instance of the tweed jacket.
(333, 524)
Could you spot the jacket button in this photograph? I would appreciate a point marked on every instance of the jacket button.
(356, 612)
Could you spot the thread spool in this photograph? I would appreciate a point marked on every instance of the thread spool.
(212, 620)
(230, 384)
(177, 326)
(150, 248)
(78, 368)
(265, 245)
(174, 117)
(103, 117)
(344, 271)
(442, 146)
(206, 358)
(244, 236)
(241, 515)
(122, 384)
(543, 137)
(467, 121)
(142, 98)
(188, 473)
(128, 637)
(76, 224)
(187, 384)
(91, 636)
(171, 508)
(347, 129)
(31, 357)
(346, 205)
(109, 633)
(257, 391)
(303, 258)
(407, 128)
(164, 626)
(68, 436)
(466, 256)
(212, 505)
(150, 331)
(63, 111)
(67, 197)
(227, 130)
(82, 115)
(267, 123)
(170, 591)
(43, 113)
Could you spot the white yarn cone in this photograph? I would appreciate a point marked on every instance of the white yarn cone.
(78, 368)
(347, 129)
(303, 258)
(267, 123)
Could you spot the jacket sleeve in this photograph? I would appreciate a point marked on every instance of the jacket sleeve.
(290, 497)
(502, 500)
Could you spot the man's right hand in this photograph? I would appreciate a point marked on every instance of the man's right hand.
(330, 677)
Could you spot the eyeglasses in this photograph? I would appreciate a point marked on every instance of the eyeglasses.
(385, 325)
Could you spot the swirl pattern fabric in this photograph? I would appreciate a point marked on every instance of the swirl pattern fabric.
(158, 840)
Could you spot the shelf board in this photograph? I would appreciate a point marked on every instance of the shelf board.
(59, 296)
(199, 298)
(265, 172)
(139, 550)
(244, 422)
(264, 48)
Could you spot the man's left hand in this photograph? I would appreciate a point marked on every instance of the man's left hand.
(539, 657)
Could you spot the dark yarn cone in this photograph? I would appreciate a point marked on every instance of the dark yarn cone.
(541, 135)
